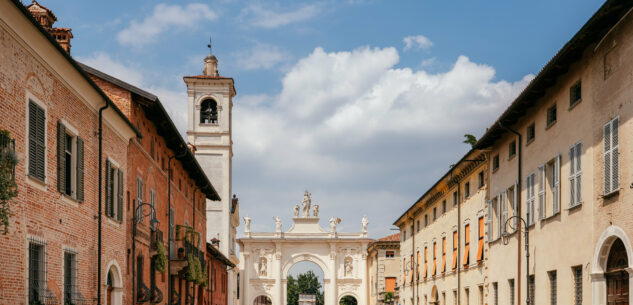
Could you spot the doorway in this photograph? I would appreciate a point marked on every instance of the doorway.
(616, 275)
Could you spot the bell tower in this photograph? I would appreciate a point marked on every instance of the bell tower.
(210, 101)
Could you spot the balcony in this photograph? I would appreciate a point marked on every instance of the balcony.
(155, 238)
(183, 249)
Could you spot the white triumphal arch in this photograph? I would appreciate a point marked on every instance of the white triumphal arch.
(267, 257)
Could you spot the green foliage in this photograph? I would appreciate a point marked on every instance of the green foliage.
(8, 188)
(205, 278)
(195, 270)
(161, 258)
(388, 297)
(305, 283)
(348, 300)
(470, 139)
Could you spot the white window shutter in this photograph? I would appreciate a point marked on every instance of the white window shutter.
(607, 158)
(541, 191)
(615, 156)
(490, 220)
(556, 192)
(572, 176)
(578, 173)
(515, 204)
(498, 215)
(504, 210)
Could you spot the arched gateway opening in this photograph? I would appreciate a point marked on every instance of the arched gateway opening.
(268, 258)
(262, 300)
(305, 278)
(611, 271)
(348, 300)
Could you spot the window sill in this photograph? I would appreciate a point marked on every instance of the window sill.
(550, 125)
(36, 182)
(575, 207)
(528, 142)
(494, 170)
(113, 222)
(70, 200)
(550, 216)
(209, 124)
(572, 106)
(511, 157)
(612, 194)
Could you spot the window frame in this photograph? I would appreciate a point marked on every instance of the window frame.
(575, 175)
(114, 191)
(35, 176)
(42, 274)
(73, 277)
(512, 149)
(551, 116)
(495, 163)
(530, 133)
(573, 99)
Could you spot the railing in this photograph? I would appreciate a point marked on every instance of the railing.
(175, 297)
(143, 294)
(43, 296)
(157, 295)
(189, 248)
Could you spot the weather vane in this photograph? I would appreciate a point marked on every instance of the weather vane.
(209, 46)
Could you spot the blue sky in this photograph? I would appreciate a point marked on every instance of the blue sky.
(363, 102)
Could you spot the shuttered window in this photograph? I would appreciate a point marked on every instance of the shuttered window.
(490, 227)
(499, 219)
(443, 255)
(70, 163)
(412, 268)
(426, 261)
(37, 146)
(152, 202)
(417, 268)
(611, 156)
(556, 186)
(109, 186)
(541, 191)
(504, 211)
(575, 175)
(466, 245)
(455, 241)
(114, 192)
(434, 272)
(530, 198)
(480, 243)
(139, 198)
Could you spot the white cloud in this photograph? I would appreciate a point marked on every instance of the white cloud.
(164, 18)
(261, 56)
(125, 72)
(418, 42)
(353, 127)
(273, 16)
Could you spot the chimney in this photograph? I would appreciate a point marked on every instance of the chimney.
(46, 18)
(210, 66)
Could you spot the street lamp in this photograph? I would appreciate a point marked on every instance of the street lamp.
(514, 225)
(153, 224)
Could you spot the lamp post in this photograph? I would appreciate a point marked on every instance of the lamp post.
(514, 225)
(153, 224)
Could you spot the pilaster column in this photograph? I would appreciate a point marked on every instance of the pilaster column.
(244, 277)
(333, 287)
(278, 286)
(363, 274)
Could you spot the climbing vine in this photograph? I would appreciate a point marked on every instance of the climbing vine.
(161, 258)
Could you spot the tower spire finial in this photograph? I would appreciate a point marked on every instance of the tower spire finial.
(210, 46)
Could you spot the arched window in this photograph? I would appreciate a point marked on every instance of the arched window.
(208, 112)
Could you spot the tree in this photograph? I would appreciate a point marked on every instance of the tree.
(305, 283)
(470, 139)
(348, 300)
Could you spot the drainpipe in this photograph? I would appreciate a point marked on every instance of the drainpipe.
(99, 244)
(412, 255)
(169, 288)
(518, 203)
(459, 243)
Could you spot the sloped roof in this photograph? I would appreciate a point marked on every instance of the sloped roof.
(392, 237)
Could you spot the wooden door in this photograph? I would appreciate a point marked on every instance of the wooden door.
(618, 288)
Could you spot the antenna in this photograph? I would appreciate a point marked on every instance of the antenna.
(210, 46)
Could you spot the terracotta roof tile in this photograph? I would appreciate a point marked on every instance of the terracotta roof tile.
(393, 237)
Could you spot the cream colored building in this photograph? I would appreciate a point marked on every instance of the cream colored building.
(558, 158)
(383, 265)
(442, 238)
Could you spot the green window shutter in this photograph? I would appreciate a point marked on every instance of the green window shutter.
(41, 149)
(80, 169)
(108, 199)
(32, 138)
(61, 158)
(120, 197)
(37, 149)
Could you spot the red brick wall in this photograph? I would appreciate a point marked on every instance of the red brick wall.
(40, 210)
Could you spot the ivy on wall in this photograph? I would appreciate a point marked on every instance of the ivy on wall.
(8, 188)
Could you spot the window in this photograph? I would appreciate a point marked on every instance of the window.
(481, 294)
(443, 269)
(390, 254)
(443, 206)
(480, 239)
(549, 188)
(512, 149)
(577, 271)
(495, 163)
(426, 261)
(70, 277)
(466, 245)
(139, 273)
(417, 268)
(434, 259)
(37, 142)
(404, 271)
(455, 198)
(152, 150)
(70, 163)
(531, 289)
(494, 218)
(482, 182)
(575, 175)
(466, 189)
(152, 202)
(495, 294)
(390, 284)
(209, 112)
(530, 133)
(575, 94)
(434, 213)
(139, 198)
(426, 220)
(552, 287)
(418, 224)
(455, 297)
(551, 115)
(511, 288)
(114, 192)
(412, 230)
(466, 296)
(37, 271)
(611, 156)
(530, 198)
(455, 241)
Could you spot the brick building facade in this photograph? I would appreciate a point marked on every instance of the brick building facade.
(58, 249)
(218, 270)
